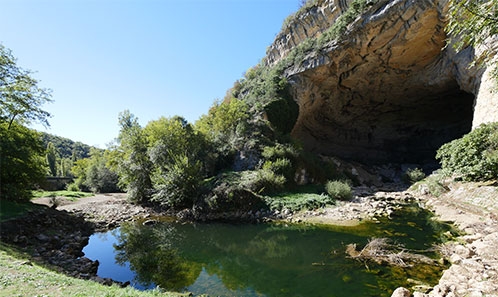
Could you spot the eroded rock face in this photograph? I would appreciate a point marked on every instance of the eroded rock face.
(390, 89)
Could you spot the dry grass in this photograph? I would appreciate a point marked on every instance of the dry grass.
(382, 251)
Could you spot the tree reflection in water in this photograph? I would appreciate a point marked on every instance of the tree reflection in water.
(151, 254)
(272, 259)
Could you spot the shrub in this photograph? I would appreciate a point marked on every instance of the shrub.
(73, 187)
(413, 175)
(339, 190)
(281, 166)
(279, 151)
(473, 157)
(434, 184)
(180, 184)
(264, 181)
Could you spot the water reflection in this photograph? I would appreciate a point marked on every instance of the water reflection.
(266, 260)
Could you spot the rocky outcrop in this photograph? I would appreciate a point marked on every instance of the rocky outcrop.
(309, 23)
(389, 89)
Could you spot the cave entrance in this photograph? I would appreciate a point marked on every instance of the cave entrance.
(403, 128)
(417, 131)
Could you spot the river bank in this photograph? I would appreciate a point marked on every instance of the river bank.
(473, 208)
(57, 236)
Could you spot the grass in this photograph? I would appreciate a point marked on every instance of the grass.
(308, 197)
(21, 277)
(68, 194)
(10, 210)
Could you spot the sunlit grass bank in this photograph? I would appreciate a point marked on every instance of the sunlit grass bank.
(21, 277)
(67, 194)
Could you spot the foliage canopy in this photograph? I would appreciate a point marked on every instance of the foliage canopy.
(21, 98)
(22, 164)
(471, 23)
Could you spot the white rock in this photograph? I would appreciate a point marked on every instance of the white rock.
(401, 292)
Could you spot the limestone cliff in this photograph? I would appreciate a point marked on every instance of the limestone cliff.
(388, 89)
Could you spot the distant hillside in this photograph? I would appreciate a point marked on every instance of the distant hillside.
(66, 146)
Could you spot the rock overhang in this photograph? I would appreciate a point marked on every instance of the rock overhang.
(388, 91)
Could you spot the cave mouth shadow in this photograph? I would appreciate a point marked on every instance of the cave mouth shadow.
(422, 129)
(403, 131)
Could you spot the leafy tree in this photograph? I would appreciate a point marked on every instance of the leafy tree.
(180, 184)
(22, 162)
(64, 167)
(223, 118)
(95, 173)
(52, 157)
(177, 152)
(471, 23)
(99, 178)
(229, 129)
(79, 170)
(169, 137)
(21, 98)
(135, 167)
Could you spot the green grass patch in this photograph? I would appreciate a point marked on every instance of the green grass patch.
(10, 210)
(302, 198)
(68, 194)
(21, 277)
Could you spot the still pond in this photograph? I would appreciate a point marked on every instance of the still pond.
(267, 260)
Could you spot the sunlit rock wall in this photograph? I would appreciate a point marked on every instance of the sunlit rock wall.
(389, 90)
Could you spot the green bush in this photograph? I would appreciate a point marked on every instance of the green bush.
(282, 113)
(474, 157)
(264, 181)
(281, 166)
(180, 185)
(433, 184)
(339, 190)
(73, 187)
(279, 151)
(413, 175)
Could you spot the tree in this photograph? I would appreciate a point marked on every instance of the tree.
(52, 157)
(22, 162)
(99, 177)
(21, 99)
(79, 170)
(135, 167)
(224, 117)
(177, 152)
(180, 184)
(471, 23)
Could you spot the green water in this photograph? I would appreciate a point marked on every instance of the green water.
(264, 259)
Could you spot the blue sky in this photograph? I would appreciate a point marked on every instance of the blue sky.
(153, 57)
